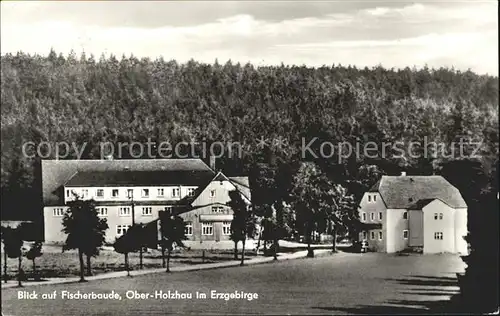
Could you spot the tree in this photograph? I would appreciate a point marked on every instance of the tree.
(479, 287)
(13, 247)
(312, 198)
(243, 225)
(85, 230)
(128, 243)
(173, 233)
(342, 214)
(269, 196)
(34, 252)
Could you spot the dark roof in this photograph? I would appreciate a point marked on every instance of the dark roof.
(57, 172)
(420, 204)
(242, 185)
(138, 178)
(402, 192)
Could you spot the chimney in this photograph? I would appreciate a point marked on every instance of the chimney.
(403, 173)
(212, 162)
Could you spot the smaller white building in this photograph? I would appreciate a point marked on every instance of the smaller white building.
(425, 212)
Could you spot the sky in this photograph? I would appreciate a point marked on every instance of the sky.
(462, 34)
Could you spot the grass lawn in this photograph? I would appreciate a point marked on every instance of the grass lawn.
(56, 264)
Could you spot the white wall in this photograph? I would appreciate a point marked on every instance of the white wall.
(396, 224)
(416, 228)
(445, 226)
(123, 191)
(374, 205)
(53, 224)
(461, 231)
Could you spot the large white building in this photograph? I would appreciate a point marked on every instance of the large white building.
(121, 188)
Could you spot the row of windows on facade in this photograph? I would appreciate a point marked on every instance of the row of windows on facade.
(372, 216)
(437, 216)
(122, 211)
(127, 211)
(145, 193)
(437, 235)
(207, 229)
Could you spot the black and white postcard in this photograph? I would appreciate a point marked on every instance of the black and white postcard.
(249, 157)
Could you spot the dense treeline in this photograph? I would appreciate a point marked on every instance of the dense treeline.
(84, 100)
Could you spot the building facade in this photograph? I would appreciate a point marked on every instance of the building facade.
(419, 212)
(136, 191)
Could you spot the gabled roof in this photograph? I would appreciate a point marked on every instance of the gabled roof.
(402, 192)
(420, 204)
(57, 172)
(138, 178)
(240, 183)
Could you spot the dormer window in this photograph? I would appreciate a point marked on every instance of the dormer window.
(145, 193)
(100, 193)
(115, 193)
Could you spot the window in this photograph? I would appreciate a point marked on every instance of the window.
(379, 235)
(188, 230)
(440, 215)
(68, 193)
(372, 235)
(130, 193)
(145, 193)
(372, 216)
(364, 216)
(226, 228)
(379, 216)
(365, 235)
(374, 198)
(85, 193)
(168, 209)
(191, 192)
(147, 210)
(115, 193)
(58, 211)
(122, 229)
(435, 215)
(438, 236)
(102, 211)
(405, 234)
(176, 192)
(369, 198)
(405, 215)
(161, 192)
(100, 193)
(212, 193)
(207, 229)
(125, 211)
(217, 209)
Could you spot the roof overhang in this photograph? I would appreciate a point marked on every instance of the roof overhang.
(216, 217)
(366, 226)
